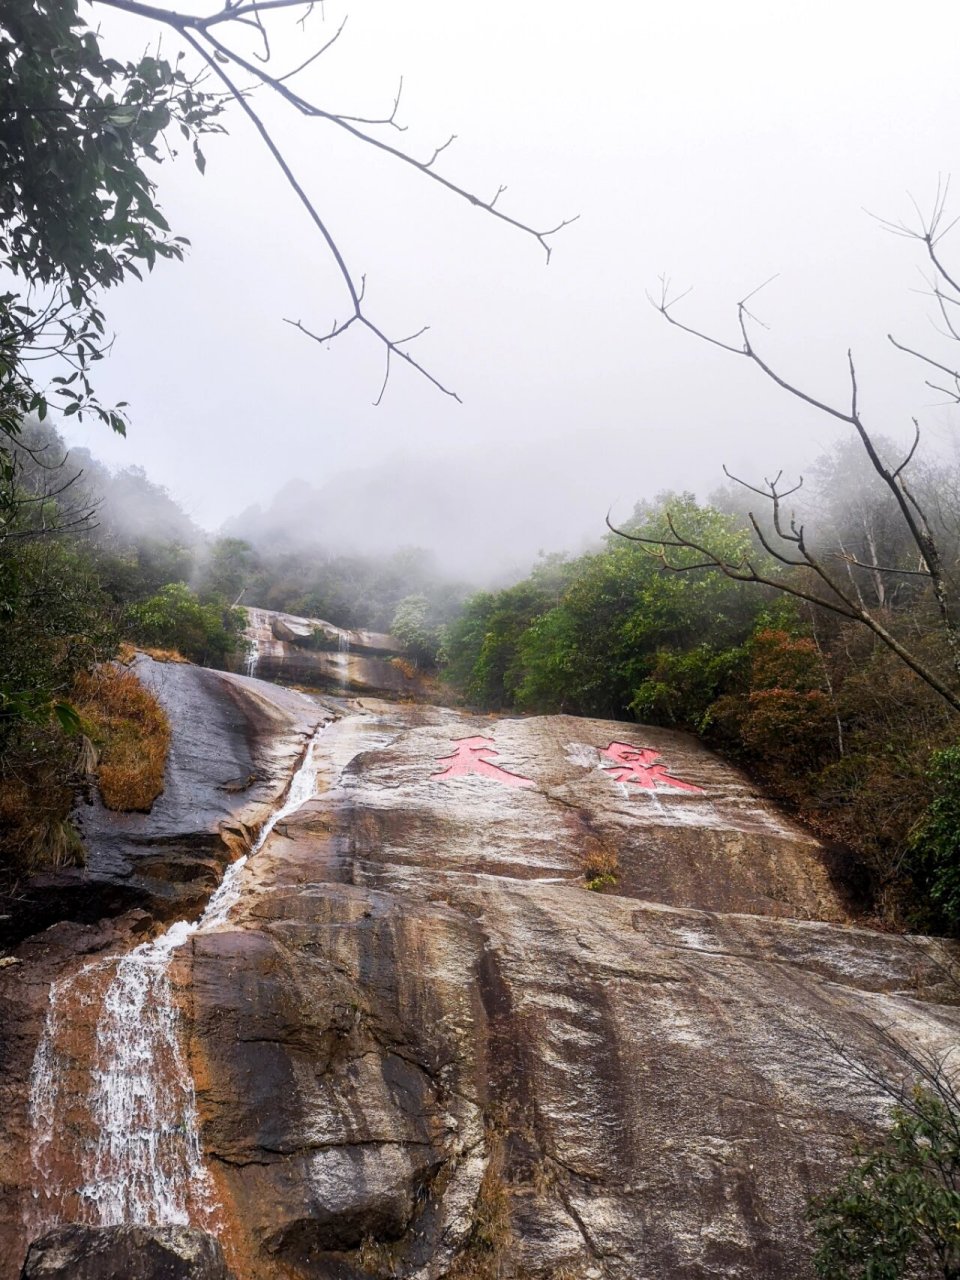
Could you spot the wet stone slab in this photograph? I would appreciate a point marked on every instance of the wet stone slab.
(416, 1020)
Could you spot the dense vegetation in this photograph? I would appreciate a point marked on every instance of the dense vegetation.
(896, 1211)
(828, 718)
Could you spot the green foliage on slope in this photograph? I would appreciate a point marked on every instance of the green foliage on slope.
(175, 618)
(592, 636)
(934, 848)
(896, 1212)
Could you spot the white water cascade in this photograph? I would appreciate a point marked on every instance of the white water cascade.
(343, 661)
(146, 1163)
(253, 643)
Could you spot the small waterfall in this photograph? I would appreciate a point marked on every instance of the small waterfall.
(252, 660)
(145, 1165)
(343, 661)
(303, 786)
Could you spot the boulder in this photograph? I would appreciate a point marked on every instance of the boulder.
(314, 653)
(125, 1253)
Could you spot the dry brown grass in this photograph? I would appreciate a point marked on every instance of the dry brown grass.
(35, 832)
(128, 727)
(128, 652)
(485, 1253)
(601, 865)
(376, 1258)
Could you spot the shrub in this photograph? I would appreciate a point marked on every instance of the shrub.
(175, 618)
(417, 631)
(681, 687)
(601, 866)
(934, 849)
(896, 1213)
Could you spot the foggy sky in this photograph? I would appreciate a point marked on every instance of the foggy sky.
(720, 144)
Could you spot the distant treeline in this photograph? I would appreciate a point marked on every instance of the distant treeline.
(349, 591)
(829, 719)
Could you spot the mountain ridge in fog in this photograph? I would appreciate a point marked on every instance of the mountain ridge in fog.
(483, 514)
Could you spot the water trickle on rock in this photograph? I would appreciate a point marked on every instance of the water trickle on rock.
(146, 1163)
(146, 1166)
(303, 785)
(343, 661)
(253, 643)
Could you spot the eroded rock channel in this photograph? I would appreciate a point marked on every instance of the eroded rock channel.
(417, 1044)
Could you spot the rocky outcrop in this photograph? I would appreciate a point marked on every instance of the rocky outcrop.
(234, 744)
(423, 1047)
(314, 633)
(133, 1253)
(310, 652)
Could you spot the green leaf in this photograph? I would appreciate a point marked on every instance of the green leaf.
(68, 716)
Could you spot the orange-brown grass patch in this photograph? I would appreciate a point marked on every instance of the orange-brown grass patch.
(131, 733)
(129, 651)
(490, 1235)
(601, 865)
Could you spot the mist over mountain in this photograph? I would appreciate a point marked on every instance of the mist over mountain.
(479, 512)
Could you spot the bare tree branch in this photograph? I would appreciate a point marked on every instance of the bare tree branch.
(198, 32)
(894, 478)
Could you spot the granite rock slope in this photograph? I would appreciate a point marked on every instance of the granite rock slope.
(422, 1046)
(234, 743)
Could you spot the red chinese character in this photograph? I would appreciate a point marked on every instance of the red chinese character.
(638, 765)
(470, 756)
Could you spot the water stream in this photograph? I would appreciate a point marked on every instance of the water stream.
(252, 661)
(145, 1164)
(343, 662)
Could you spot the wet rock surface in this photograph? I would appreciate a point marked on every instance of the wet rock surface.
(125, 1253)
(422, 1046)
(234, 744)
(310, 652)
(418, 1009)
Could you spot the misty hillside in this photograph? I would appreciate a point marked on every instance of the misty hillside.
(484, 513)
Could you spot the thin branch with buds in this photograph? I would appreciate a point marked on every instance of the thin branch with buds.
(200, 32)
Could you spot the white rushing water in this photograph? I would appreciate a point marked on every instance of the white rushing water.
(343, 661)
(145, 1164)
(253, 642)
